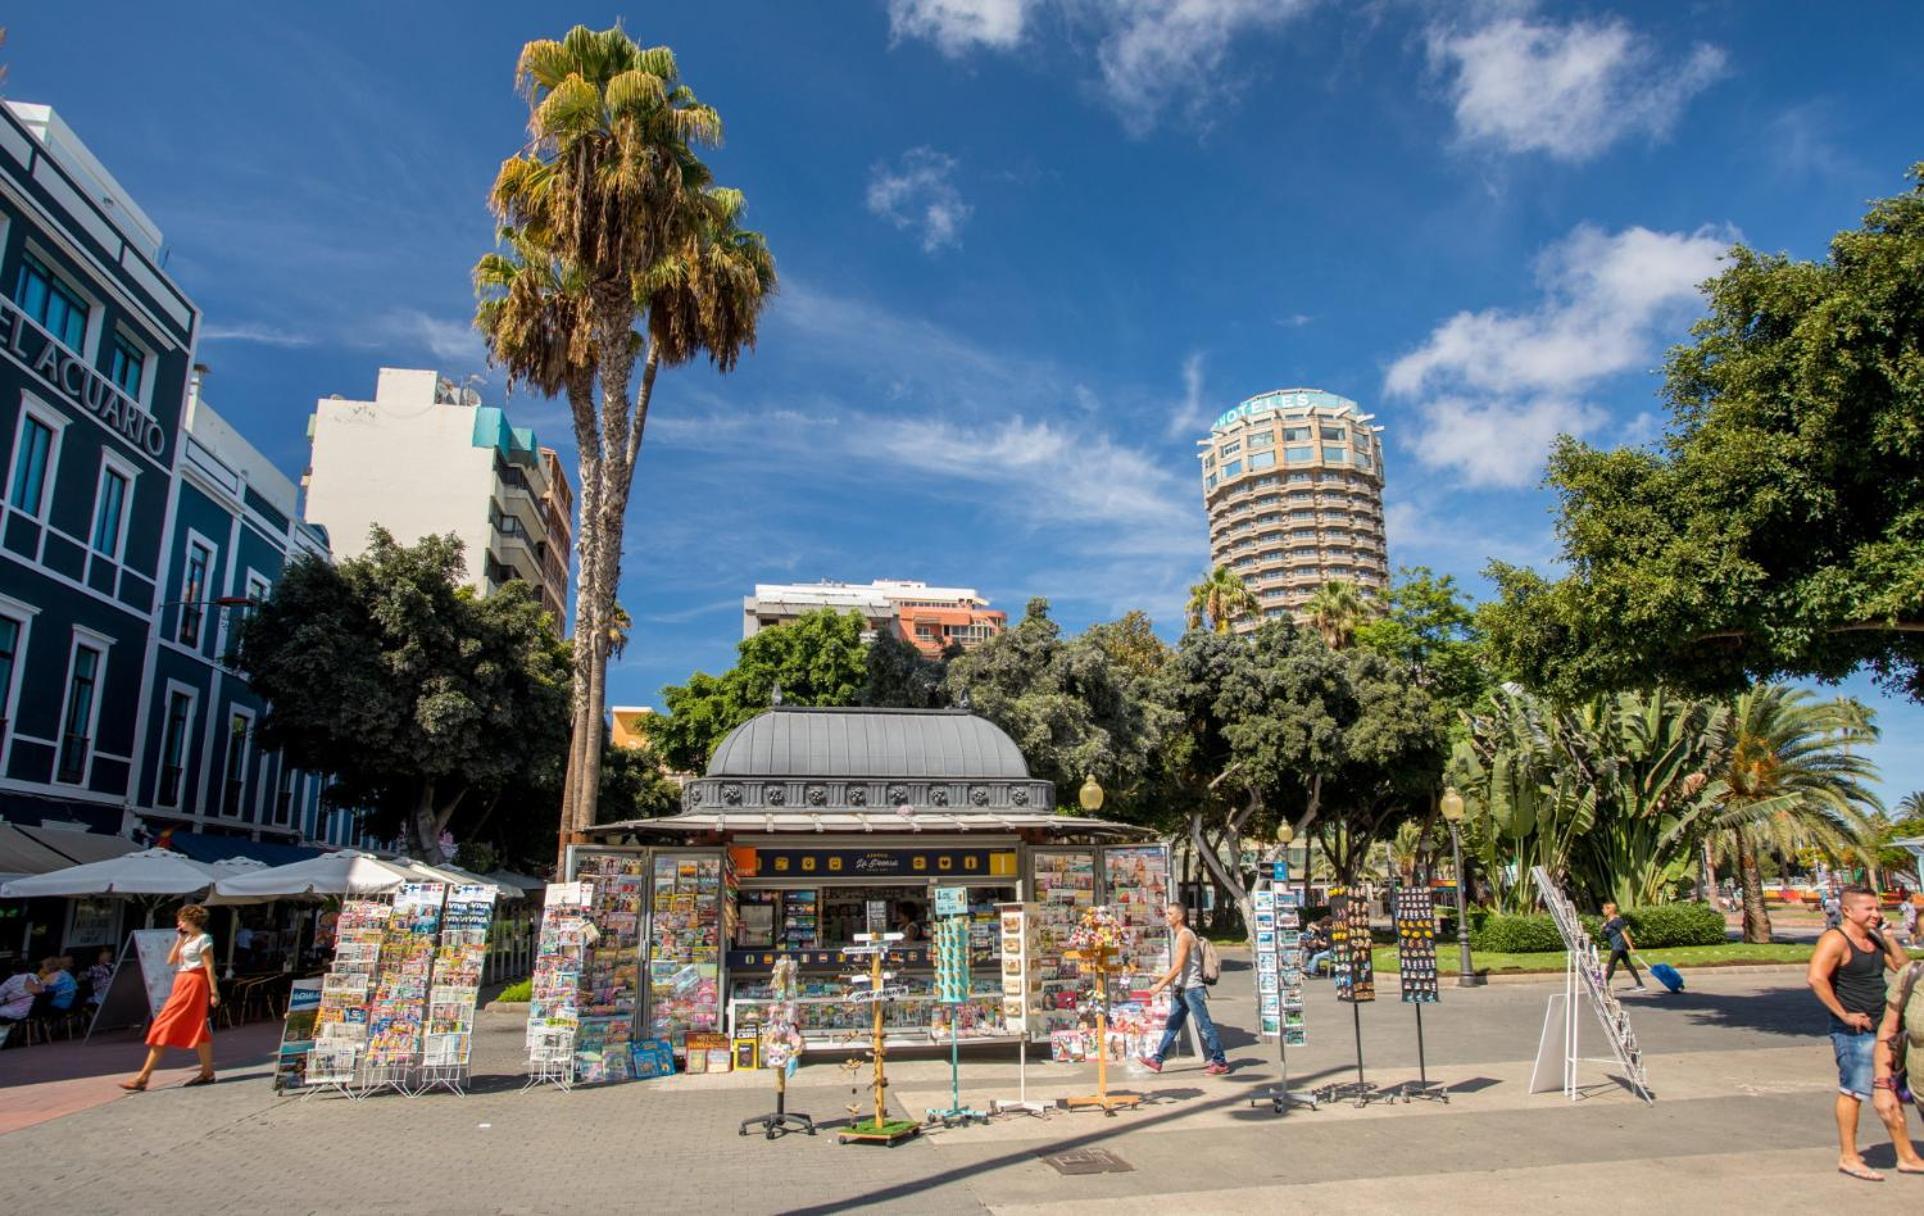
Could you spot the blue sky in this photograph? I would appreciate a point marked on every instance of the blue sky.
(1029, 248)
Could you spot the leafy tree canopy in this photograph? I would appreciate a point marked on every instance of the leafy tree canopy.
(425, 700)
(1068, 705)
(1779, 530)
(1432, 630)
(817, 659)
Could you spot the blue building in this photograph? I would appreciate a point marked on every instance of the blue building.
(136, 529)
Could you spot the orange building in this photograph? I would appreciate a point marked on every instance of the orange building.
(933, 628)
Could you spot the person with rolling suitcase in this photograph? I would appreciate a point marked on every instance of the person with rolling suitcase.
(1618, 932)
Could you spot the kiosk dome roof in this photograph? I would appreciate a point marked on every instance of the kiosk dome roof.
(794, 741)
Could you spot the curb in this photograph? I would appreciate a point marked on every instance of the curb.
(506, 1007)
(1448, 978)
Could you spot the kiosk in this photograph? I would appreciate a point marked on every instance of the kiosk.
(814, 827)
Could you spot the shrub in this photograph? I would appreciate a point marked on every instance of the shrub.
(1501, 934)
(1689, 924)
(520, 990)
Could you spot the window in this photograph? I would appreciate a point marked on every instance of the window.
(10, 631)
(1233, 469)
(1335, 455)
(1232, 447)
(76, 728)
(1300, 477)
(109, 507)
(42, 296)
(1262, 439)
(124, 366)
(32, 456)
(193, 594)
(284, 794)
(1335, 433)
(173, 747)
(234, 788)
(1262, 460)
(1210, 483)
(257, 593)
(1295, 434)
(1303, 514)
(1363, 461)
(1297, 455)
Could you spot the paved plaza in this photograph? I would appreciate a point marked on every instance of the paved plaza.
(1742, 1121)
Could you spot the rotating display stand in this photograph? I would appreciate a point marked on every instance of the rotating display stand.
(873, 989)
(1101, 960)
(780, 1047)
(1279, 990)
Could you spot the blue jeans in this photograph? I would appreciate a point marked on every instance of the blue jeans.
(1192, 1001)
(1316, 962)
(1853, 1051)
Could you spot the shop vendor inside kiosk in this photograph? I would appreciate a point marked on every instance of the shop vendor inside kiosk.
(814, 825)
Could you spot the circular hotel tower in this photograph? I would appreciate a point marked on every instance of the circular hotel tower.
(1293, 482)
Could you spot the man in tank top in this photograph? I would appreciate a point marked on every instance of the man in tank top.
(1847, 974)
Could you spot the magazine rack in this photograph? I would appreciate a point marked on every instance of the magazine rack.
(1584, 982)
(334, 1066)
(551, 1059)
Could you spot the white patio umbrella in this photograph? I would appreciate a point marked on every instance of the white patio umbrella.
(452, 875)
(341, 873)
(148, 872)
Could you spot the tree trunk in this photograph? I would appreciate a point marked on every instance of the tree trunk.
(1756, 917)
(581, 405)
(424, 828)
(1224, 878)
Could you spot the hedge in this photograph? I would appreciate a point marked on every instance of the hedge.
(1653, 928)
(520, 990)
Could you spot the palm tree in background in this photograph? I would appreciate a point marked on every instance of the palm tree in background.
(1335, 610)
(610, 188)
(1791, 780)
(1222, 598)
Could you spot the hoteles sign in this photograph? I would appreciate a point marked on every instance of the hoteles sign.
(69, 376)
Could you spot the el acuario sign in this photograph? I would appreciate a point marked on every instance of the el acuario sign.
(70, 376)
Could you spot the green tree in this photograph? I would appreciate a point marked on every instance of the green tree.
(610, 190)
(899, 676)
(1779, 529)
(817, 659)
(1070, 709)
(1222, 598)
(1431, 628)
(633, 786)
(1336, 610)
(423, 699)
(1791, 780)
(1131, 643)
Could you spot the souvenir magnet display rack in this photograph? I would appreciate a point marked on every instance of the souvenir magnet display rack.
(1279, 989)
(952, 976)
(1415, 910)
(1021, 999)
(1354, 973)
(780, 1046)
(874, 990)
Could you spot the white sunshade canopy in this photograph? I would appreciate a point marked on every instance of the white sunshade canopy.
(343, 873)
(148, 872)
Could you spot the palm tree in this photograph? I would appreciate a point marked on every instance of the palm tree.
(610, 187)
(1792, 781)
(1335, 610)
(1223, 598)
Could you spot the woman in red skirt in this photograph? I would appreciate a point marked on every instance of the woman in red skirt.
(183, 1019)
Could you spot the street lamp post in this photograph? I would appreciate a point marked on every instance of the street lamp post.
(1090, 795)
(1452, 808)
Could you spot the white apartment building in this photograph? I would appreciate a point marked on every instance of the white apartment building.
(931, 618)
(426, 458)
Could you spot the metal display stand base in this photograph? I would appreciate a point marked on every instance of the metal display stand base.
(452, 1077)
(780, 1121)
(1020, 1105)
(1359, 1091)
(1422, 1089)
(1281, 1098)
(1108, 1104)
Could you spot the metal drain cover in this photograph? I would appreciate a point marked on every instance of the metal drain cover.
(1088, 1161)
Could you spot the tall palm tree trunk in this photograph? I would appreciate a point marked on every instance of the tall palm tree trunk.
(1756, 917)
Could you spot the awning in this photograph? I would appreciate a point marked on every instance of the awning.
(203, 846)
(81, 847)
(22, 855)
(889, 822)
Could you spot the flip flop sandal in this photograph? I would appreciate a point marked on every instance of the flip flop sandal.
(1864, 1174)
(202, 1080)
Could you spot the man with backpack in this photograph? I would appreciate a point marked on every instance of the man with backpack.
(1847, 974)
(1192, 969)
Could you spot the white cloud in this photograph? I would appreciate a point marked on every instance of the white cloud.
(919, 193)
(1156, 52)
(957, 26)
(1494, 387)
(1150, 55)
(260, 335)
(1568, 91)
(455, 343)
(1193, 411)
